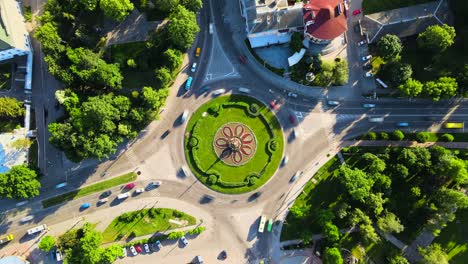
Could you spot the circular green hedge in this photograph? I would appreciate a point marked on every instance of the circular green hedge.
(204, 162)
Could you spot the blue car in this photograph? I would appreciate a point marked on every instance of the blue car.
(403, 124)
(85, 206)
(188, 83)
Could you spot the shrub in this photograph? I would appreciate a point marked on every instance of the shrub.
(212, 179)
(197, 230)
(422, 137)
(398, 135)
(253, 110)
(370, 136)
(131, 63)
(384, 135)
(193, 142)
(214, 109)
(126, 217)
(252, 180)
(175, 235)
(231, 184)
(272, 145)
(447, 137)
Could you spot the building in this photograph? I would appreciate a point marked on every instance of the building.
(324, 20)
(13, 260)
(407, 21)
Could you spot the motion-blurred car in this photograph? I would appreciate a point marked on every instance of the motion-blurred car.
(362, 42)
(295, 176)
(85, 206)
(357, 12)
(293, 95)
(103, 200)
(219, 92)
(26, 219)
(274, 104)
(333, 103)
(139, 190)
(184, 116)
(130, 186)
(402, 124)
(368, 74)
(6, 239)
(285, 160)
(366, 58)
(368, 105)
(194, 67)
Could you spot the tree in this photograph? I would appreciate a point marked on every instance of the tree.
(356, 182)
(389, 223)
(444, 87)
(10, 108)
(411, 88)
(396, 72)
(398, 135)
(167, 6)
(332, 256)
(153, 99)
(173, 59)
(368, 233)
(423, 137)
(340, 73)
(19, 182)
(415, 159)
(47, 243)
(325, 76)
(375, 202)
(182, 28)
(447, 137)
(437, 38)
(453, 168)
(389, 47)
(299, 211)
(358, 216)
(296, 42)
(370, 136)
(433, 254)
(324, 216)
(399, 260)
(374, 163)
(192, 5)
(447, 200)
(89, 4)
(331, 232)
(116, 9)
(51, 41)
(163, 76)
(400, 170)
(110, 254)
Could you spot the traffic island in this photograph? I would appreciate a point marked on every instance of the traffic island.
(233, 144)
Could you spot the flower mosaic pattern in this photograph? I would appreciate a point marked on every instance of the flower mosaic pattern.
(235, 144)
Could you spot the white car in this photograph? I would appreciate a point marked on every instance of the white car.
(368, 105)
(295, 176)
(244, 90)
(147, 249)
(219, 91)
(139, 190)
(333, 103)
(133, 250)
(184, 116)
(27, 219)
(103, 200)
(368, 74)
(362, 42)
(366, 58)
(285, 160)
(184, 240)
(194, 67)
(291, 94)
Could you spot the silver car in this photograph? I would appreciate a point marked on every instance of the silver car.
(368, 105)
(194, 67)
(184, 116)
(184, 240)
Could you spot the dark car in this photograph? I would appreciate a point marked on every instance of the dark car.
(292, 119)
(106, 194)
(367, 67)
(223, 255)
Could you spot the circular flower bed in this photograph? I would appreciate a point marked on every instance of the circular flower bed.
(231, 150)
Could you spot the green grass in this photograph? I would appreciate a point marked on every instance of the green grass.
(144, 222)
(138, 79)
(93, 188)
(376, 63)
(454, 238)
(374, 6)
(379, 253)
(33, 154)
(5, 76)
(202, 159)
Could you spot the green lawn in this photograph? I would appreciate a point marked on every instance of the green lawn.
(144, 222)
(454, 238)
(203, 159)
(374, 6)
(377, 252)
(93, 188)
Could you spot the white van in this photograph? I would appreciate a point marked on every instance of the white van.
(37, 229)
(376, 119)
(123, 196)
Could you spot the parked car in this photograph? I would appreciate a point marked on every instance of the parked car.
(138, 248)
(368, 74)
(133, 250)
(333, 103)
(26, 219)
(362, 42)
(139, 190)
(184, 116)
(58, 255)
(357, 12)
(402, 124)
(154, 184)
(296, 133)
(103, 200)
(285, 160)
(194, 67)
(291, 94)
(295, 176)
(147, 249)
(105, 194)
(123, 196)
(130, 186)
(188, 83)
(366, 58)
(184, 240)
(199, 260)
(158, 244)
(368, 105)
(197, 52)
(292, 119)
(219, 92)
(85, 206)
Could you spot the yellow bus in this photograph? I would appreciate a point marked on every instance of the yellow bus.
(454, 125)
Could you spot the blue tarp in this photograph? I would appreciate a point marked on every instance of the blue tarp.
(3, 160)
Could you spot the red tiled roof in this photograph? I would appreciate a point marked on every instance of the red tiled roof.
(328, 24)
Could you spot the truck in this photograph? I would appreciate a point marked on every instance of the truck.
(37, 229)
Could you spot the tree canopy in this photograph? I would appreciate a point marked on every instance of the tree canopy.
(389, 47)
(116, 9)
(444, 87)
(19, 182)
(296, 42)
(411, 88)
(47, 243)
(437, 38)
(389, 223)
(10, 108)
(356, 182)
(433, 254)
(396, 73)
(182, 28)
(332, 256)
(192, 5)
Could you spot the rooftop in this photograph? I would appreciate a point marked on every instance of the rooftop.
(325, 19)
(12, 27)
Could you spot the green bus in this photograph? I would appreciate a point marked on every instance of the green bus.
(269, 225)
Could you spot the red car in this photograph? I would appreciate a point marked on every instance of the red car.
(357, 12)
(130, 186)
(138, 248)
(292, 119)
(242, 59)
(274, 104)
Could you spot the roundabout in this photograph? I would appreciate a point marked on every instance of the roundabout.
(233, 144)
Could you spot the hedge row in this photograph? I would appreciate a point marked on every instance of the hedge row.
(420, 137)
